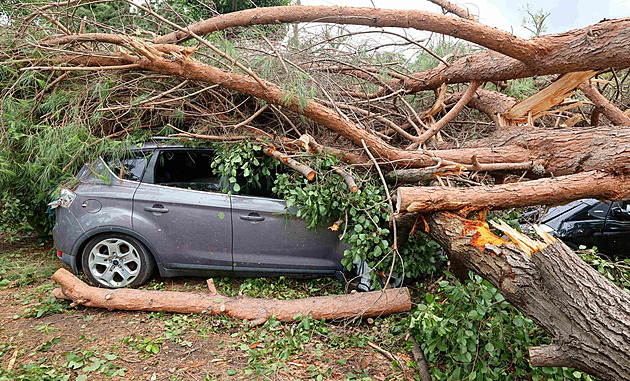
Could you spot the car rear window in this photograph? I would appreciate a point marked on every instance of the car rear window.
(186, 169)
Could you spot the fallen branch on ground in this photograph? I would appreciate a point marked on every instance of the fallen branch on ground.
(257, 311)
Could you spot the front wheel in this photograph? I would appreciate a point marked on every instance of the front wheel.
(117, 260)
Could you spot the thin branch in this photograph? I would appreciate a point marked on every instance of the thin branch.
(466, 97)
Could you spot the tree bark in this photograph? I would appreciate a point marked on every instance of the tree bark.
(469, 30)
(603, 105)
(257, 311)
(586, 315)
(598, 46)
(550, 191)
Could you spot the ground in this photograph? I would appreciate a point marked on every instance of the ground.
(47, 339)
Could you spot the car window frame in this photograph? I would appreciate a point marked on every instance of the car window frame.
(147, 153)
(149, 174)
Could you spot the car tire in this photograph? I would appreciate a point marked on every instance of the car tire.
(117, 260)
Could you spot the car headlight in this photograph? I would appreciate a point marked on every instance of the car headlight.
(66, 196)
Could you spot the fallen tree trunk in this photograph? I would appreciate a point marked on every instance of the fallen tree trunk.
(586, 315)
(550, 191)
(598, 46)
(257, 311)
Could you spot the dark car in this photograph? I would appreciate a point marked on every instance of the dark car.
(589, 222)
(162, 207)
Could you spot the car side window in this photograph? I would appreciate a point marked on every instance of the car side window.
(188, 169)
(599, 211)
(131, 166)
(620, 211)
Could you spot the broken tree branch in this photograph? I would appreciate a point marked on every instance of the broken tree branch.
(603, 105)
(472, 31)
(304, 169)
(551, 191)
(556, 289)
(451, 114)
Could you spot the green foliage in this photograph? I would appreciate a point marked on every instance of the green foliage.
(362, 217)
(83, 364)
(469, 332)
(534, 20)
(35, 372)
(617, 272)
(12, 220)
(245, 161)
(18, 269)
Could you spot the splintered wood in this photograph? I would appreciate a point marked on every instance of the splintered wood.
(539, 104)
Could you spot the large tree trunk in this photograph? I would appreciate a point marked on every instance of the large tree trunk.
(257, 311)
(586, 315)
(553, 191)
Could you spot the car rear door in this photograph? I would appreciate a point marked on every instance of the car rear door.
(179, 210)
(270, 238)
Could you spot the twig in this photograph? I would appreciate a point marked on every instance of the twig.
(391, 213)
(390, 356)
(82, 68)
(254, 115)
(470, 92)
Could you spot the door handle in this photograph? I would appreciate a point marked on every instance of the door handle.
(157, 208)
(253, 217)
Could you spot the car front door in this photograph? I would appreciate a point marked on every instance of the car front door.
(616, 238)
(270, 238)
(180, 211)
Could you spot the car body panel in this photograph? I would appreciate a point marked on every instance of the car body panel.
(195, 230)
(267, 236)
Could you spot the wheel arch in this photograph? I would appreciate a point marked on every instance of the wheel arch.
(77, 251)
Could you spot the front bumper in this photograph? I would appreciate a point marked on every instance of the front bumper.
(66, 234)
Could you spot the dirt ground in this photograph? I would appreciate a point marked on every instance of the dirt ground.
(95, 344)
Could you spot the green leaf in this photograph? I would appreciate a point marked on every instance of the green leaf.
(231, 372)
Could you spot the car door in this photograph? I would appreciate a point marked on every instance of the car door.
(270, 238)
(616, 234)
(181, 213)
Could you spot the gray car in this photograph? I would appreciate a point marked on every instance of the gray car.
(162, 207)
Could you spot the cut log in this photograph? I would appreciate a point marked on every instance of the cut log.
(257, 311)
(586, 315)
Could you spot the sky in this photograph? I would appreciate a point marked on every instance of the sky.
(507, 14)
